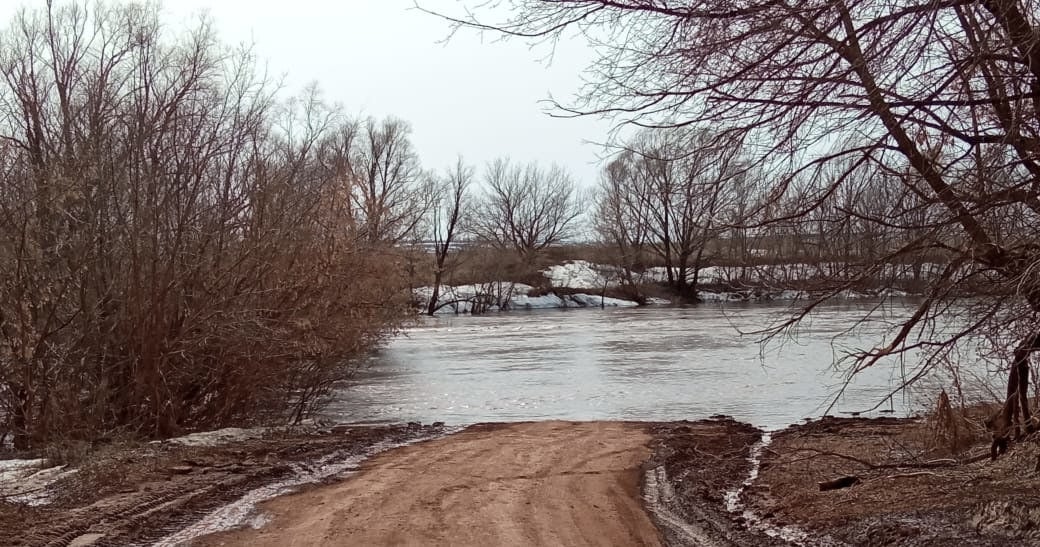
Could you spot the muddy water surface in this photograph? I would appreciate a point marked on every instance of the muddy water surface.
(653, 363)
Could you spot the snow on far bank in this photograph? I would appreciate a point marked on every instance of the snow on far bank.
(790, 273)
(580, 274)
(501, 295)
(217, 437)
(591, 301)
(584, 275)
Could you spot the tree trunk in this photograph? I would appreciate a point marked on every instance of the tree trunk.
(696, 272)
(432, 305)
(680, 284)
(20, 421)
(1018, 383)
(668, 269)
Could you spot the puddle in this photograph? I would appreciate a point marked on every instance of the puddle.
(657, 492)
(754, 522)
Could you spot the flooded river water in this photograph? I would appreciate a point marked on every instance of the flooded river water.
(652, 363)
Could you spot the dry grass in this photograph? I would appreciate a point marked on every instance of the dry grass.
(905, 468)
(953, 430)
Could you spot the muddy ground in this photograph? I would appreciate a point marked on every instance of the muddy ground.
(135, 496)
(692, 467)
(909, 489)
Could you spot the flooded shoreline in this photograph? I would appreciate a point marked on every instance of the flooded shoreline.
(654, 368)
(648, 364)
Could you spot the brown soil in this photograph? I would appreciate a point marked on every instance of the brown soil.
(543, 483)
(552, 483)
(910, 492)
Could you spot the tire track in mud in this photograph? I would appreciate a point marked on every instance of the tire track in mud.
(115, 521)
(544, 483)
(159, 489)
(693, 467)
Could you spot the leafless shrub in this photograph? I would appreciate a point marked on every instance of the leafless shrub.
(951, 430)
(178, 247)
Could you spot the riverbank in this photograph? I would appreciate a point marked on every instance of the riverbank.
(905, 487)
(710, 482)
(581, 284)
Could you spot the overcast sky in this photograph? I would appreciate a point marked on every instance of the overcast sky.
(474, 96)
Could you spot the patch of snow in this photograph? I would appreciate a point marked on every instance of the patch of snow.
(657, 274)
(734, 504)
(28, 481)
(791, 295)
(580, 274)
(591, 301)
(217, 437)
(492, 296)
(86, 540)
(711, 274)
(511, 296)
(13, 466)
(657, 492)
(711, 296)
(524, 302)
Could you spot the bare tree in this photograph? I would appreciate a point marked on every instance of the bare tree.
(675, 186)
(942, 95)
(526, 207)
(619, 220)
(446, 222)
(391, 193)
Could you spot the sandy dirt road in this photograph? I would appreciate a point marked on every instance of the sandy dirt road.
(545, 483)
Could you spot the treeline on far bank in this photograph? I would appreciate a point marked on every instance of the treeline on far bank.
(768, 269)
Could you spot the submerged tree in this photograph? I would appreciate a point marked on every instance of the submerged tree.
(617, 221)
(941, 97)
(668, 191)
(446, 223)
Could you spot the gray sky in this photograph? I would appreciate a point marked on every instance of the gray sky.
(471, 96)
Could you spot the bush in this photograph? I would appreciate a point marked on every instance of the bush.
(178, 248)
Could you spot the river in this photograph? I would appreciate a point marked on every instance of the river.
(651, 363)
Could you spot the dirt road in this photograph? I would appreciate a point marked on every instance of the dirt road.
(553, 483)
(545, 483)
